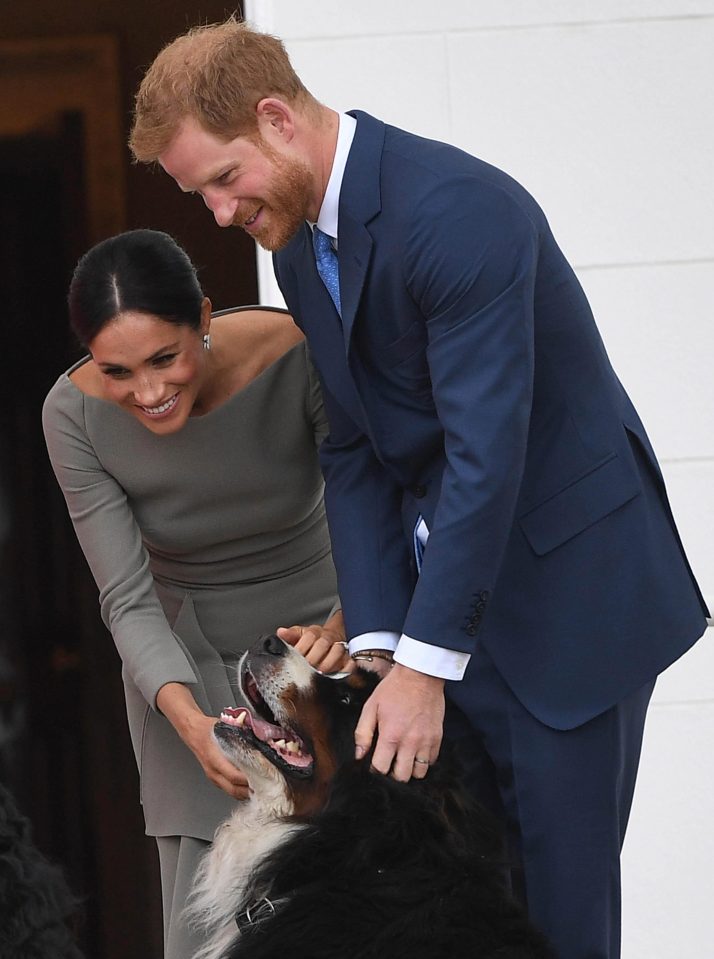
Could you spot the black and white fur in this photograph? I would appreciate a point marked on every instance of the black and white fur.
(329, 859)
(37, 909)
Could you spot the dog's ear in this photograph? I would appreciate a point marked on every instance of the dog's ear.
(354, 687)
(365, 680)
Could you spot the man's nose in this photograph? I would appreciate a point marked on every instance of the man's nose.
(222, 208)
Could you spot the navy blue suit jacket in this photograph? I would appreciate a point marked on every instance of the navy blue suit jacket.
(467, 382)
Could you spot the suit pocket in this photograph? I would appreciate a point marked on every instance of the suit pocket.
(142, 750)
(599, 492)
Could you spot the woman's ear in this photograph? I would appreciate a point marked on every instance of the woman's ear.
(205, 315)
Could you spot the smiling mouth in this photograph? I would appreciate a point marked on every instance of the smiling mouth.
(251, 219)
(160, 410)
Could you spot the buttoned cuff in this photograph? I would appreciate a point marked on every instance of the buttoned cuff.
(379, 639)
(432, 660)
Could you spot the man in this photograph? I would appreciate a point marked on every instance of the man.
(498, 517)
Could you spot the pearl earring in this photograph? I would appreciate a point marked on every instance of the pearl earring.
(206, 341)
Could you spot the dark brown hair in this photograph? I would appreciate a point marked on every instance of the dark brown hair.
(141, 271)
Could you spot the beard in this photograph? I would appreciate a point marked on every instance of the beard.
(284, 207)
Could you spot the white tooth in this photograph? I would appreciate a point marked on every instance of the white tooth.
(161, 409)
(280, 743)
(240, 719)
(292, 747)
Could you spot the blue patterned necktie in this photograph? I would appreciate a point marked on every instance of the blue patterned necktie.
(326, 260)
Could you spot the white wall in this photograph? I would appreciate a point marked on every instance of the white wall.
(603, 110)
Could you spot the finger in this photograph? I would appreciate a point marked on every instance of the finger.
(384, 755)
(403, 766)
(218, 766)
(414, 760)
(227, 773)
(364, 732)
(240, 791)
(337, 660)
(238, 777)
(328, 653)
(290, 634)
(309, 637)
(420, 765)
(314, 651)
(235, 785)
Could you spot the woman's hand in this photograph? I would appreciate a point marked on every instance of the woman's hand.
(196, 730)
(324, 647)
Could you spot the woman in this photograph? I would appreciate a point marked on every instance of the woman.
(185, 446)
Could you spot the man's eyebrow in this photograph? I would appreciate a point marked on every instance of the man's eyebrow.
(211, 178)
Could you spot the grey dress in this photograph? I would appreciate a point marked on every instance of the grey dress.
(199, 541)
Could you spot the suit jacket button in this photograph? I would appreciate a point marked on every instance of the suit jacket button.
(484, 595)
(471, 629)
(419, 491)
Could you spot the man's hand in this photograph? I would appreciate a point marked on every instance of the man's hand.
(407, 712)
(324, 647)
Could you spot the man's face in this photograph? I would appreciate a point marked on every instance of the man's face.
(244, 182)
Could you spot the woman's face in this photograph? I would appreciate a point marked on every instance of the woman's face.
(153, 369)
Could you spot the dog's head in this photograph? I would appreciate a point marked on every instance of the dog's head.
(297, 727)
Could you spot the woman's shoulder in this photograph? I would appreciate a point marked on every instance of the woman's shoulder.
(85, 376)
(63, 410)
(64, 394)
(252, 339)
(265, 329)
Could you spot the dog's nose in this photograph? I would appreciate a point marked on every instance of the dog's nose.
(274, 646)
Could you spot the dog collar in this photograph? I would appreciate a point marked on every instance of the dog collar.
(258, 911)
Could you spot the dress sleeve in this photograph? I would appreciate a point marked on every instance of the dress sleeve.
(111, 542)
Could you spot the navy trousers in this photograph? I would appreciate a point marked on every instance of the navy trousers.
(564, 798)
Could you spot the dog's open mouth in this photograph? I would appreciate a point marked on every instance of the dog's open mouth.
(258, 727)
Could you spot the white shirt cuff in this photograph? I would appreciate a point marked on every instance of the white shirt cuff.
(379, 639)
(432, 660)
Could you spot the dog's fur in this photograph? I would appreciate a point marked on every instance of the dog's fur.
(36, 905)
(329, 859)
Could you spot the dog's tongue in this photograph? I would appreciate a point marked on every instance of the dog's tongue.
(262, 729)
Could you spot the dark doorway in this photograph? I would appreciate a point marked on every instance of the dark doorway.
(64, 744)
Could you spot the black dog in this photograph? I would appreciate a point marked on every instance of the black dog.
(35, 902)
(329, 859)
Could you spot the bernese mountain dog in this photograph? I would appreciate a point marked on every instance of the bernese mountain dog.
(38, 912)
(329, 859)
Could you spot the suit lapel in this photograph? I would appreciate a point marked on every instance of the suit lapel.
(328, 335)
(353, 257)
(321, 324)
(360, 202)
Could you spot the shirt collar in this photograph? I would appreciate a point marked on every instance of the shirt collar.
(327, 220)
